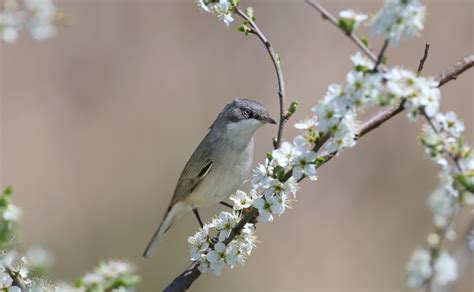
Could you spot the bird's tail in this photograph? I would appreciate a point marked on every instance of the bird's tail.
(174, 213)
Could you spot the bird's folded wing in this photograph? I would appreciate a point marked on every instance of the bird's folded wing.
(192, 175)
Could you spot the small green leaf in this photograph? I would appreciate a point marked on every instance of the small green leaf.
(235, 3)
(251, 13)
(465, 180)
(8, 191)
(346, 24)
(364, 40)
(269, 156)
(293, 107)
(278, 58)
(361, 68)
(319, 161)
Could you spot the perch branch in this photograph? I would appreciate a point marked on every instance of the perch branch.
(191, 274)
(276, 63)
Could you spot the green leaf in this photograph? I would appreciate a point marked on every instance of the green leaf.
(278, 58)
(251, 13)
(361, 68)
(346, 24)
(364, 40)
(465, 180)
(235, 3)
(292, 109)
(8, 191)
(319, 161)
(269, 156)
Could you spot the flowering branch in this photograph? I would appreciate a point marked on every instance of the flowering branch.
(192, 273)
(352, 36)
(253, 29)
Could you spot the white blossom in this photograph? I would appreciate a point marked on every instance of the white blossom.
(442, 205)
(332, 108)
(304, 165)
(199, 243)
(445, 269)
(242, 200)
(261, 175)
(225, 223)
(450, 123)
(221, 9)
(221, 255)
(91, 279)
(5, 279)
(419, 268)
(285, 154)
(356, 18)
(399, 19)
(12, 213)
(307, 124)
(42, 23)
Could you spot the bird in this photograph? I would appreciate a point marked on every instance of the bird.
(218, 166)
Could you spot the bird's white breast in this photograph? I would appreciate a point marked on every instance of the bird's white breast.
(227, 174)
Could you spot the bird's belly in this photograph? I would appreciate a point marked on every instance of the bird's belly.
(221, 182)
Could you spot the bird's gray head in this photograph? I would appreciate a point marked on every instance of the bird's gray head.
(243, 115)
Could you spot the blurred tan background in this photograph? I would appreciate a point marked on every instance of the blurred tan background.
(98, 123)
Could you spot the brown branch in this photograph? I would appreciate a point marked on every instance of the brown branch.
(276, 63)
(191, 274)
(381, 54)
(354, 38)
(423, 59)
(452, 72)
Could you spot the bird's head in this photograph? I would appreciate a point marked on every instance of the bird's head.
(243, 115)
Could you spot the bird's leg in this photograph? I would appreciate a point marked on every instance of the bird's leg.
(227, 204)
(196, 213)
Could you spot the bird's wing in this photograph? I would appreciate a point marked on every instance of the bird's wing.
(193, 173)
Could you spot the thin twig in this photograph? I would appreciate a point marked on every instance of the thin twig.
(276, 63)
(381, 54)
(185, 279)
(423, 59)
(327, 15)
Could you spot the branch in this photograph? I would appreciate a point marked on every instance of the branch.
(191, 274)
(423, 59)
(276, 63)
(381, 54)
(355, 39)
(452, 72)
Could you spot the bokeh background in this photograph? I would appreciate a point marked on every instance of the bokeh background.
(98, 123)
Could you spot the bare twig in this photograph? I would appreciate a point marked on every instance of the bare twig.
(381, 54)
(185, 279)
(276, 63)
(423, 59)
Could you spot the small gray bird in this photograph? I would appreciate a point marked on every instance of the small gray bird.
(218, 166)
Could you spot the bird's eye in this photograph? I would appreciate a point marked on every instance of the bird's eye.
(247, 113)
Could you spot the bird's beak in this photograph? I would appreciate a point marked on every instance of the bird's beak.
(268, 120)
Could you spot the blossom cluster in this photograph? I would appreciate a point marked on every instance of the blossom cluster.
(209, 245)
(9, 215)
(443, 142)
(222, 9)
(38, 17)
(25, 272)
(110, 275)
(399, 19)
(334, 127)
